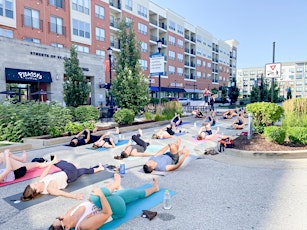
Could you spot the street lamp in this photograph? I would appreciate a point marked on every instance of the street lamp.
(110, 68)
(159, 44)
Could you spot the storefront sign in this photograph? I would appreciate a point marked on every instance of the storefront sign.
(20, 75)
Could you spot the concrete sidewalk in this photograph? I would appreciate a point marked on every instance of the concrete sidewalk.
(221, 191)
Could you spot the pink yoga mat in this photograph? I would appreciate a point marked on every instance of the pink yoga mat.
(35, 172)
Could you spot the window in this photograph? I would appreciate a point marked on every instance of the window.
(81, 6)
(6, 8)
(142, 28)
(6, 33)
(180, 57)
(171, 69)
(299, 70)
(209, 65)
(204, 63)
(56, 3)
(171, 25)
(83, 49)
(56, 25)
(198, 51)
(31, 18)
(299, 76)
(180, 71)
(99, 12)
(172, 40)
(198, 62)
(198, 74)
(144, 64)
(144, 47)
(34, 40)
(101, 53)
(54, 44)
(172, 55)
(204, 75)
(81, 29)
(129, 5)
(180, 29)
(100, 34)
(180, 43)
(142, 11)
(199, 38)
(128, 22)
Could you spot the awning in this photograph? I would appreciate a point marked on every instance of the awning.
(22, 75)
(166, 89)
(193, 90)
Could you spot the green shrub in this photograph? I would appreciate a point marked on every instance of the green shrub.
(295, 113)
(275, 134)
(154, 100)
(73, 127)
(170, 108)
(86, 113)
(89, 125)
(297, 135)
(148, 116)
(264, 114)
(58, 117)
(124, 116)
(159, 117)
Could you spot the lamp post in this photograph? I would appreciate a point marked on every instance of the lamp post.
(159, 44)
(110, 68)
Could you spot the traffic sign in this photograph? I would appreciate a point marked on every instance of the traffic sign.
(156, 64)
(273, 70)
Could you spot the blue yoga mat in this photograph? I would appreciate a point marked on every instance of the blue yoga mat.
(120, 142)
(135, 208)
(154, 148)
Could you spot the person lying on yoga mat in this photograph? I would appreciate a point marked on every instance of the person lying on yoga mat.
(209, 119)
(137, 150)
(166, 132)
(16, 167)
(108, 139)
(197, 113)
(84, 137)
(104, 205)
(205, 132)
(54, 184)
(168, 158)
(239, 122)
(176, 120)
(230, 113)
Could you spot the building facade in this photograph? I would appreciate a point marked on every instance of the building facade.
(193, 58)
(293, 77)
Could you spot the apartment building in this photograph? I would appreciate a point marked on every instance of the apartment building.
(41, 32)
(293, 76)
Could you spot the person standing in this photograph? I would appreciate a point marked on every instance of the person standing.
(211, 102)
(206, 95)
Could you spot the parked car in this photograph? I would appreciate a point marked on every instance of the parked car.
(170, 98)
(184, 101)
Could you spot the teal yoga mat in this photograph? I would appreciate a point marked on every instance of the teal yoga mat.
(81, 182)
(135, 208)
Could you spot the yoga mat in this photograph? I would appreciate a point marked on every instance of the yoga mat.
(35, 172)
(120, 142)
(154, 148)
(81, 182)
(214, 137)
(135, 208)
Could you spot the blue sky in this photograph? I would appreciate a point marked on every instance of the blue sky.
(254, 24)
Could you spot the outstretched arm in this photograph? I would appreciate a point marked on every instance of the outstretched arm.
(185, 153)
(162, 151)
(52, 190)
(201, 129)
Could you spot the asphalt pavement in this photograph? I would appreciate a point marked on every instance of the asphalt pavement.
(223, 191)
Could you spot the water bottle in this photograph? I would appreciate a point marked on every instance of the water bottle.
(167, 200)
(122, 168)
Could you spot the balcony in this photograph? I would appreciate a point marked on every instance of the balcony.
(115, 4)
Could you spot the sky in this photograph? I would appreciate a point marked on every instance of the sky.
(254, 24)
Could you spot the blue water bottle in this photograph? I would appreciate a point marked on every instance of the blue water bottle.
(122, 168)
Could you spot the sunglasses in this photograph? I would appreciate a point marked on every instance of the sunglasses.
(61, 220)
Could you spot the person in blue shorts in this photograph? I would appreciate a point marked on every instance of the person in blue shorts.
(168, 158)
(104, 205)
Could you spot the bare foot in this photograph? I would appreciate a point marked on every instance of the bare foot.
(24, 157)
(117, 180)
(141, 132)
(155, 184)
(100, 168)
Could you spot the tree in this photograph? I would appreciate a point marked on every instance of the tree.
(264, 90)
(233, 92)
(129, 88)
(76, 89)
(224, 94)
(255, 93)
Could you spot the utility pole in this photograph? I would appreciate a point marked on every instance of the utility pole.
(272, 81)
